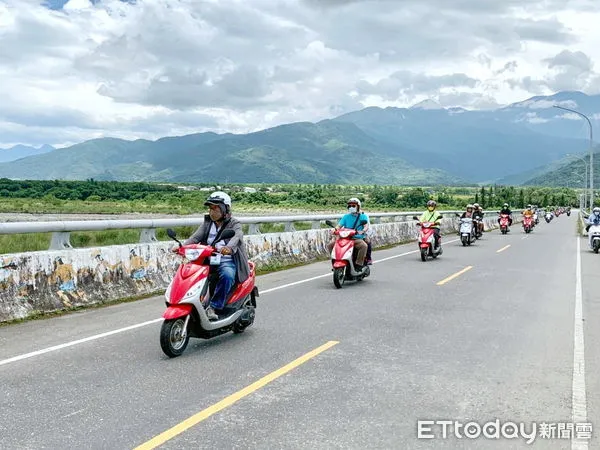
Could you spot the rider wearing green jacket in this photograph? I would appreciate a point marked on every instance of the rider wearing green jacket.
(431, 215)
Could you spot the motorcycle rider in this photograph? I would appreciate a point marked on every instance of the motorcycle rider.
(352, 220)
(478, 215)
(431, 215)
(527, 212)
(593, 219)
(232, 260)
(469, 212)
(506, 210)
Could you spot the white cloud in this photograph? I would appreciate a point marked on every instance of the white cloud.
(151, 68)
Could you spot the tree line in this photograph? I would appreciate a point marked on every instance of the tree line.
(326, 196)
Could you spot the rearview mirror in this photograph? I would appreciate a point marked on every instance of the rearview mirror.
(364, 222)
(415, 218)
(228, 234)
(330, 223)
(171, 233)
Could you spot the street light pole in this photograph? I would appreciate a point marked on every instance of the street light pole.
(586, 177)
(591, 152)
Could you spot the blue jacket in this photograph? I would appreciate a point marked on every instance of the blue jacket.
(593, 219)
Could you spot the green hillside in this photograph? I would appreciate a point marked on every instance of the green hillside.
(327, 152)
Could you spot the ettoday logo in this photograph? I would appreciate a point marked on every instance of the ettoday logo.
(432, 429)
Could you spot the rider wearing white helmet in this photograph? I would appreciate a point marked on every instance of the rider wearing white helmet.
(469, 212)
(593, 219)
(234, 260)
(353, 220)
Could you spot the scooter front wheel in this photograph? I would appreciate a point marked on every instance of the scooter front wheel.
(338, 277)
(423, 254)
(172, 340)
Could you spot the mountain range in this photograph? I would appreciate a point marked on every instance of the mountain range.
(22, 151)
(421, 145)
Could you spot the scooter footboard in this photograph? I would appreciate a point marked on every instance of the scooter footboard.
(177, 311)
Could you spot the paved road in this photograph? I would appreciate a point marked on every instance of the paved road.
(495, 342)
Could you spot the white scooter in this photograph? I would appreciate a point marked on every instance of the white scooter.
(594, 237)
(467, 231)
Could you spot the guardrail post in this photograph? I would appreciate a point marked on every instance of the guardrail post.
(148, 235)
(253, 229)
(60, 240)
(289, 226)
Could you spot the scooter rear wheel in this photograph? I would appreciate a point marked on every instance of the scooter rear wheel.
(338, 277)
(240, 326)
(171, 340)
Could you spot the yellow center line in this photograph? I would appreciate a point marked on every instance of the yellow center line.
(503, 248)
(451, 277)
(230, 400)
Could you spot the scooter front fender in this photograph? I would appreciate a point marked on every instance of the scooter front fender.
(339, 264)
(177, 311)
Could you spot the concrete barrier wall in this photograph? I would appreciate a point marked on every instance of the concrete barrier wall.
(51, 281)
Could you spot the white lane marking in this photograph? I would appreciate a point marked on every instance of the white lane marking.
(579, 397)
(266, 291)
(150, 322)
(79, 341)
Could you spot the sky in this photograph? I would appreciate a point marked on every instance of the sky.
(77, 70)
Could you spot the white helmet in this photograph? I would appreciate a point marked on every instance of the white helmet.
(218, 198)
(354, 200)
(596, 210)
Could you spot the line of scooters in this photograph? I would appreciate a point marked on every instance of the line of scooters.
(190, 290)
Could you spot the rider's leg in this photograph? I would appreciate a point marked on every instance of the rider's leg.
(361, 248)
(226, 281)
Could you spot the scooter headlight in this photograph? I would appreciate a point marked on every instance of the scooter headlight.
(192, 254)
(345, 233)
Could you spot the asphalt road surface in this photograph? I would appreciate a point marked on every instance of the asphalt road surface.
(483, 333)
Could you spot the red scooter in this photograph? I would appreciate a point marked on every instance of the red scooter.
(342, 257)
(189, 294)
(527, 224)
(427, 240)
(504, 223)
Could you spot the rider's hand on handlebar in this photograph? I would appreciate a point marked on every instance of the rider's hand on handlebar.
(226, 251)
(174, 248)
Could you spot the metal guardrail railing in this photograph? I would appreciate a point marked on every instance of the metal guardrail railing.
(61, 230)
